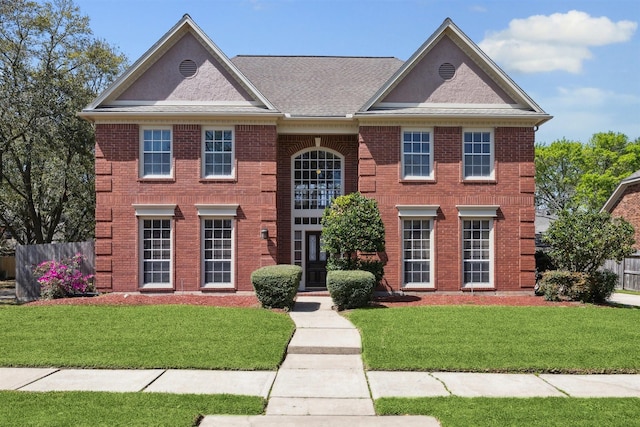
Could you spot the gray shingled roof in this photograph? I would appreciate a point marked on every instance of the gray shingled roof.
(317, 86)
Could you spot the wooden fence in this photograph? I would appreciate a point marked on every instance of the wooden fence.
(29, 256)
(628, 272)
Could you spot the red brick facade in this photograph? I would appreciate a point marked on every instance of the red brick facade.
(628, 207)
(262, 190)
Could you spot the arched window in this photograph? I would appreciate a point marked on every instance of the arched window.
(317, 179)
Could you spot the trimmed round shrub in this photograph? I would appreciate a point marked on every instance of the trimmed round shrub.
(276, 286)
(596, 287)
(350, 288)
(560, 285)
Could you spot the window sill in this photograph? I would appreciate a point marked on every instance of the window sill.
(418, 181)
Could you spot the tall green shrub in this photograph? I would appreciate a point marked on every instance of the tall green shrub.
(352, 225)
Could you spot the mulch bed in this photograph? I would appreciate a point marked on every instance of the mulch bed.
(252, 301)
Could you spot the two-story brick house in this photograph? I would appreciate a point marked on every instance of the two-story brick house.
(208, 168)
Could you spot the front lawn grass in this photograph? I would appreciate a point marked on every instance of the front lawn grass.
(543, 412)
(583, 339)
(162, 336)
(119, 409)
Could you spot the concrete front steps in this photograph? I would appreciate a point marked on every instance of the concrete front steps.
(322, 380)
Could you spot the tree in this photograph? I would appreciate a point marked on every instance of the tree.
(571, 175)
(609, 158)
(50, 68)
(352, 226)
(559, 167)
(582, 241)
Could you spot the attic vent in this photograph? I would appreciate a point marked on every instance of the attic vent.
(447, 71)
(188, 68)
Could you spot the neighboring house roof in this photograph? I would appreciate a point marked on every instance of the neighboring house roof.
(634, 178)
(317, 87)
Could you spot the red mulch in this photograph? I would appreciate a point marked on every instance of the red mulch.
(252, 301)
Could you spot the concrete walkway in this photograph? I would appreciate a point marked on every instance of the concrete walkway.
(323, 380)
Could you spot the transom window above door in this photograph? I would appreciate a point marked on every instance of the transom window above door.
(317, 179)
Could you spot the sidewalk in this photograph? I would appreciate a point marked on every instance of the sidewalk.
(323, 380)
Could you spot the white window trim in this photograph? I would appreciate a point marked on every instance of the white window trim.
(232, 175)
(214, 285)
(141, 174)
(218, 211)
(431, 175)
(151, 212)
(479, 212)
(419, 212)
(491, 176)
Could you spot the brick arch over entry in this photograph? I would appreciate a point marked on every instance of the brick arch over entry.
(288, 145)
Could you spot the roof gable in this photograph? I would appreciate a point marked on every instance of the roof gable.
(469, 85)
(156, 79)
(617, 194)
(478, 82)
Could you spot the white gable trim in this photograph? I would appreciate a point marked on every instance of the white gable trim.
(480, 56)
(185, 24)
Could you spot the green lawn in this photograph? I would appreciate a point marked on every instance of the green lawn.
(162, 336)
(583, 339)
(534, 412)
(118, 409)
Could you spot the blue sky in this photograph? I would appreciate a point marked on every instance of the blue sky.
(579, 60)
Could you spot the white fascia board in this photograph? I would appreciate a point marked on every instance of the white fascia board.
(478, 211)
(155, 209)
(416, 211)
(220, 210)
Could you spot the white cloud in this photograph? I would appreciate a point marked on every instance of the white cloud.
(556, 42)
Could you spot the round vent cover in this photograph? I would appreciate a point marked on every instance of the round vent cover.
(447, 71)
(188, 68)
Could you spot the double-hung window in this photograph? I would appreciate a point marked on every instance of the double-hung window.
(477, 245)
(477, 147)
(417, 154)
(218, 153)
(417, 245)
(155, 224)
(217, 228)
(156, 153)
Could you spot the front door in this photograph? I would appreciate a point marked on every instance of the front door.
(316, 262)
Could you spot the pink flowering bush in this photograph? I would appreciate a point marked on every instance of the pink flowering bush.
(61, 279)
